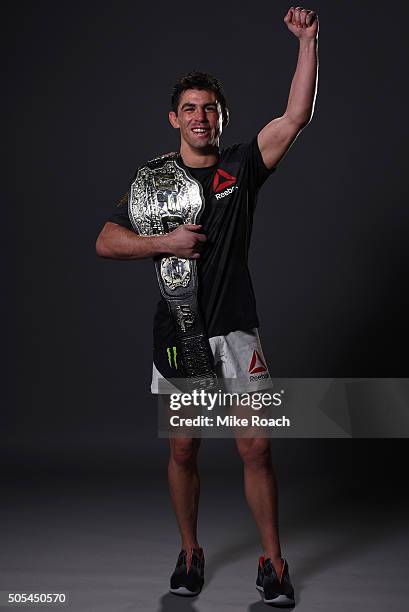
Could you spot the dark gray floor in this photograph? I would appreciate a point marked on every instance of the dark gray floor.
(111, 543)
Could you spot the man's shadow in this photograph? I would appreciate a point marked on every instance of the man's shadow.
(177, 603)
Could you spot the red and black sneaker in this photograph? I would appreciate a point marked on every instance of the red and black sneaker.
(276, 590)
(190, 583)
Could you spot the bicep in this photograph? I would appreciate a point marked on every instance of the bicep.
(111, 230)
(119, 226)
(276, 138)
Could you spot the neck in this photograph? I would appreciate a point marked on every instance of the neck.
(199, 159)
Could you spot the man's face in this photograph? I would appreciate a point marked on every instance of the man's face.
(199, 118)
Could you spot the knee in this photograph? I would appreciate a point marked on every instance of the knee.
(255, 452)
(183, 451)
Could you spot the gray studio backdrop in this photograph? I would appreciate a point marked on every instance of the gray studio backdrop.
(90, 89)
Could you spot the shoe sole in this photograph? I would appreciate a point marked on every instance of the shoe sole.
(184, 592)
(281, 600)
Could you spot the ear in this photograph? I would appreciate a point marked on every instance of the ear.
(226, 117)
(173, 119)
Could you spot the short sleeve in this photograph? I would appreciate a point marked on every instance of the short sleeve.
(257, 172)
(120, 213)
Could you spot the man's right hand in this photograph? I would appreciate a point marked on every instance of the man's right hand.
(185, 242)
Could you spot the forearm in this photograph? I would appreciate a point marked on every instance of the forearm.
(117, 242)
(303, 91)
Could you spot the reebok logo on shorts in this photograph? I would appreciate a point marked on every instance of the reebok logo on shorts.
(257, 364)
(257, 368)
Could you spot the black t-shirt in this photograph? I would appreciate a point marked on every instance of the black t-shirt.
(225, 292)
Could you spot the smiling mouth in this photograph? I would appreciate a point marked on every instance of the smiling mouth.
(200, 130)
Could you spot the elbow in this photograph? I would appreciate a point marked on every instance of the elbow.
(101, 247)
(306, 119)
(301, 120)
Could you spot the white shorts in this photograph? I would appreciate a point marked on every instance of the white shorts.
(239, 361)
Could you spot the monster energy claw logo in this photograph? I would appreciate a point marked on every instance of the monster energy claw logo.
(172, 356)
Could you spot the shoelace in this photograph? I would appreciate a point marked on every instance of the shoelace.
(268, 568)
(181, 558)
(196, 560)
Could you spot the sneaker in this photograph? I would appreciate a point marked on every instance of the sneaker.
(183, 582)
(275, 590)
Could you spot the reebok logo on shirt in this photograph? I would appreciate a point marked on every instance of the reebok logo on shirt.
(223, 184)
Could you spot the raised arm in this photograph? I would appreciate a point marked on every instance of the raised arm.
(276, 137)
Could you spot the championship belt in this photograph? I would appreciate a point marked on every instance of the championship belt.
(162, 197)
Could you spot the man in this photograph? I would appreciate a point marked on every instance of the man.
(230, 179)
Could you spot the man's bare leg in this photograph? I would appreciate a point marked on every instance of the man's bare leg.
(184, 486)
(260, 488)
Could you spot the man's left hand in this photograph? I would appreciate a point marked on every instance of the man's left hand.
(302, 22)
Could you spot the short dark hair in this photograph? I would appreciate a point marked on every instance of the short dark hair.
(200, 80)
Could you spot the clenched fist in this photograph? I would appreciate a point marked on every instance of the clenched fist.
(302, 22)
(185, 242)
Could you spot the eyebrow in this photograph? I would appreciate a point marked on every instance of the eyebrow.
(193, 104)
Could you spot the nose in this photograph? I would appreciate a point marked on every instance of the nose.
(200, 114)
